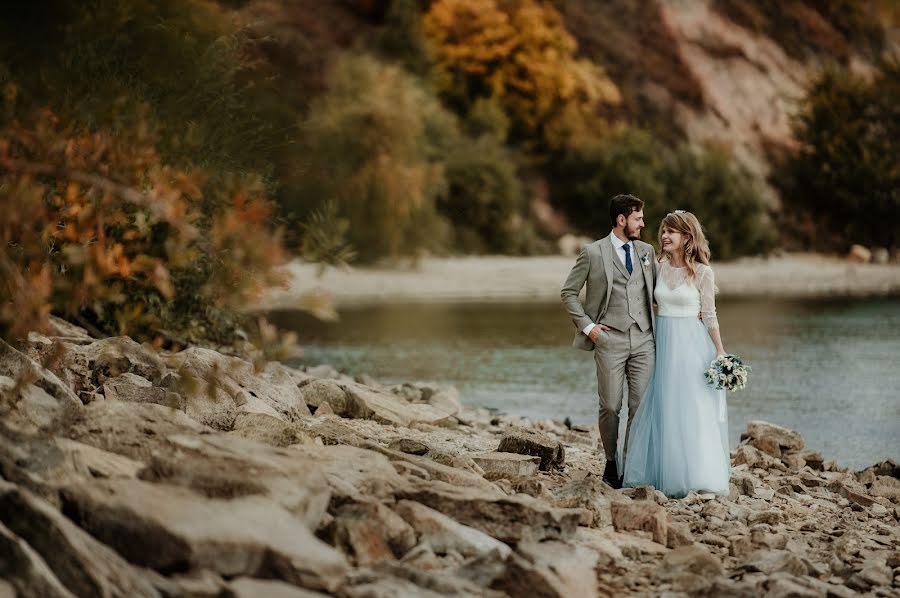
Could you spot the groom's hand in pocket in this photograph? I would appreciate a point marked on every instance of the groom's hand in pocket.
(595, 332)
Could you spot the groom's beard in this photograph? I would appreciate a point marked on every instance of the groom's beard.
(633, 234)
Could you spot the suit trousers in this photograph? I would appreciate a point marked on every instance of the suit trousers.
(621, 356)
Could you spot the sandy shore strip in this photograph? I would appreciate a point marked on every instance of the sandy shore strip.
(502, 279)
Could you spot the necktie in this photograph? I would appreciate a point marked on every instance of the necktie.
(628, 265)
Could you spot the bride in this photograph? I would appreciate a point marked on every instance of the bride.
(679, 435)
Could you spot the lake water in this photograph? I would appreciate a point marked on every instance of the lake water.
(829, 369)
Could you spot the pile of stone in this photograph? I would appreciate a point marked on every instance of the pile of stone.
(130, 472)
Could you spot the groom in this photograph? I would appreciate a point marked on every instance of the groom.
(616, 319)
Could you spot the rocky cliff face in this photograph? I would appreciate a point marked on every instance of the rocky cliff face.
(701, 70)
(127, 472)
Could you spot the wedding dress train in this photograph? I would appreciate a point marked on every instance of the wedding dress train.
(679, 434)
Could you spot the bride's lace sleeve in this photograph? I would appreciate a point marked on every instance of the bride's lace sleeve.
(707, 287)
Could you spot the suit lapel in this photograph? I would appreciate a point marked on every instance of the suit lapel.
(648, 283)
(606, 250)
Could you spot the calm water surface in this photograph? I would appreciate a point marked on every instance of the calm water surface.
(830, 369)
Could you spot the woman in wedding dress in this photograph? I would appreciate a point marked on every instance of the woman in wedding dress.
(679, 435)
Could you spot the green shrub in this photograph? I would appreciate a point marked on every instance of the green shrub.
(187, 62)
(703, 182)
(846, 171)
(483, 198)
(725, 200)
(374, 144)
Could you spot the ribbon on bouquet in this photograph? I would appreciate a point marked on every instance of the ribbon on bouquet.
(722, 407)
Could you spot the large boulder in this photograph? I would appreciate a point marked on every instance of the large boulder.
(82, 564)
(507, 465)
(353, 474)
(552, 569)
(530, 442)
(641, 515)
(769, 435)
(588, 493)
(169, 528)
(387, 408)
(24, 573)
(268, 429)
(371, 532)
(223, 466)
(215, 386)
(509, 519)
(443, 534)
(136, 430)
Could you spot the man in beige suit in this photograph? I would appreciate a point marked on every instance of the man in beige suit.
(616, 319)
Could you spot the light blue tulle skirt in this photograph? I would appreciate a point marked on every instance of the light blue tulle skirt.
(679, 434)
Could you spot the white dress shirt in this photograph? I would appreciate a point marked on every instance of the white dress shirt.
(618, 245)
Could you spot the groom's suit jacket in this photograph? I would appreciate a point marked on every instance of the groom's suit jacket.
(594, 267)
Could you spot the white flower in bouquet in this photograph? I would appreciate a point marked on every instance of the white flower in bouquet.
(727, 372)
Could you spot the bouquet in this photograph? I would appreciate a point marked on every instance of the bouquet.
(728, 372)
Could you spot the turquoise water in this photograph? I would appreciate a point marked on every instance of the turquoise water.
(829, 369)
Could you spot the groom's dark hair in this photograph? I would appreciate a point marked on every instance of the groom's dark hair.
(623, 204)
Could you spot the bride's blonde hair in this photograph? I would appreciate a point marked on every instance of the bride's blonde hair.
(696, 248)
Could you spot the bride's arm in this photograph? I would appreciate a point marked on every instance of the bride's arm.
(707, 287)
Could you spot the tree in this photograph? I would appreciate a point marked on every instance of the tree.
(846, 169)
(519, 52)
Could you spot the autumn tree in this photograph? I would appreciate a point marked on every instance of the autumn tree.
(519, 52)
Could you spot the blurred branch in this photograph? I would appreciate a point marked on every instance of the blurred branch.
(127, 193)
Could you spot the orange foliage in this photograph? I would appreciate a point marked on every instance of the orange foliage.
(94, 225)
(519, 52)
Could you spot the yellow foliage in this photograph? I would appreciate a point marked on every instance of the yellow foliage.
(519, 52)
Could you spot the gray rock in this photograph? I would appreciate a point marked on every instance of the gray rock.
(222, 466)
(678, 534)
(324, 409)
(551, 569)
(528, 442)
(509, 519)
(353, 474)
(437, 471)
(589, 493)
(167, 528)
(90, 461)
(641, 515)
(80, 563)
(268, 430)
(409, 446)
(24, 573)
(507, 465)
(783, 437)
(119, 390)
(689, 568)
(136, 430)
(221, 381)
(247, 587)
(444, 534)
(371, 533)
(315, 392)
(35, 408)
(387, 408)
(772, 561)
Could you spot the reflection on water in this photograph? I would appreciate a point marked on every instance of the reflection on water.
(826, 368)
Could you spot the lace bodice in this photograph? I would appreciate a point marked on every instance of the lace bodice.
(679, 296)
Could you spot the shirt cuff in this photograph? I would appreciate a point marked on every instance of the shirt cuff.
(587, 329)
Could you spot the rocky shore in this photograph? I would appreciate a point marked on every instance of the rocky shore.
(131, 472)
